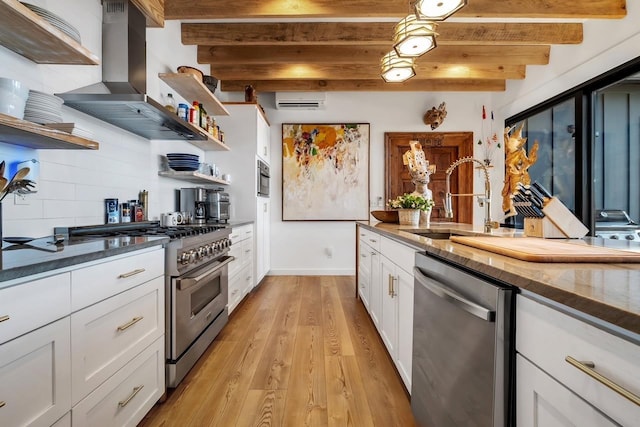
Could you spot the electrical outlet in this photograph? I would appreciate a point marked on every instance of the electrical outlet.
(20, 199)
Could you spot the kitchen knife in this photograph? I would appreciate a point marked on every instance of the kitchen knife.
(542, 190)
(537, 196)
(522, 203)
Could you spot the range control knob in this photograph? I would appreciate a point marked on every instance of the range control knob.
(614, 237)
(630, 237)
(183, 258)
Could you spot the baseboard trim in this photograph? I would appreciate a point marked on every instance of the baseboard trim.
(312, 272)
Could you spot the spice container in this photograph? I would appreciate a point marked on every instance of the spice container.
(125, 212)
(111, 211)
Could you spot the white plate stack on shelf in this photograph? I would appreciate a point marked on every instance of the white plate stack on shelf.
(55, 20)
(183, 161)
(43, 108)
(71, 128)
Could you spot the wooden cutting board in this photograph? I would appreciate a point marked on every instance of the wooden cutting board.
(545, 250)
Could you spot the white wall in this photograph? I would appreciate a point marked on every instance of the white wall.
(607, 44)
(300, 247)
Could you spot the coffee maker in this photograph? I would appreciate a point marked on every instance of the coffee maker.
(194, 200)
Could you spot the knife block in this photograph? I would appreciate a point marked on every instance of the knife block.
(558, 223)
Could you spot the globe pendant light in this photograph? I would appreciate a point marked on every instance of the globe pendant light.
(437, 10)
(414, 37)
(396, 69)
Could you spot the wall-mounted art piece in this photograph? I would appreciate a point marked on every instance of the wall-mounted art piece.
(325, 172)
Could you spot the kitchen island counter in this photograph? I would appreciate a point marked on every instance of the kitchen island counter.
(607, 291)
(41, 255)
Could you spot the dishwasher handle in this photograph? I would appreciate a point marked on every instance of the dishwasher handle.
(453, 297)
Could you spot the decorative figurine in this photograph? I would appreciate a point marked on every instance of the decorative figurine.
(250, 94)
(516, 165)
(435, 117)
(420, 170)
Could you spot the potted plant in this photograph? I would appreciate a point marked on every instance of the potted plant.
(409, 207)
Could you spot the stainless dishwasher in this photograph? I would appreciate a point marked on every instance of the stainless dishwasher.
(463, 347)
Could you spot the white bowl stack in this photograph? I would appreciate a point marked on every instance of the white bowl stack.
(13, 97)
(43, 108)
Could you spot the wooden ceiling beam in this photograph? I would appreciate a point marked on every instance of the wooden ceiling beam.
(424, 70)
(223, 9)
(374, 33)
(371, 85)
(451, 54)
(153, 10)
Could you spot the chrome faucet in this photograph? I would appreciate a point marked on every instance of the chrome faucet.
(483, 199)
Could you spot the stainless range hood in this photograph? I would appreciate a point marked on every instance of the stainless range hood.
(120, 98)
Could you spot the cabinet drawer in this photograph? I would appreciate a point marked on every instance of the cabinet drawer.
(107, 335)
(542, 401)
(370, 238)
(125, 398)
(247, 279)
(236, 288)
(546, 337)
(401, 255)
(35, 376)
(29, 305)
(241, 233)
(235, 265)
(98, 282)
(247, 252)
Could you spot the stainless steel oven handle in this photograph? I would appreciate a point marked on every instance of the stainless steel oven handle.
(453, 297)
(187, 282)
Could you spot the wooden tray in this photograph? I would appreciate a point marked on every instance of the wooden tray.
(545, 250)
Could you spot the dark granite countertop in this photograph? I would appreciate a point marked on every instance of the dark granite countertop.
(42, 255)
(606, 291)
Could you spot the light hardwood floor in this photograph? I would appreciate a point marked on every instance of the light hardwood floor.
(299, 351)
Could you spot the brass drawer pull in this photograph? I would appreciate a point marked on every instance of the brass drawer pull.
(587, 368)
(131, 273)
(2, 403)
(135, 391)
(4, 318)
(130, 323)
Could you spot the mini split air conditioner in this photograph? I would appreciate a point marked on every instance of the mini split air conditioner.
(300, 100)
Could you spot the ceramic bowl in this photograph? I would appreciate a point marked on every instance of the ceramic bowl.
(385, 216)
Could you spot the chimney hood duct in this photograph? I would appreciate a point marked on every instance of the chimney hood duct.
(120, 98)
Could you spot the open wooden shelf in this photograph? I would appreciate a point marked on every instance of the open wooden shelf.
(193, 177)
(25, 33)
(27, 134)
(211, 144)
(191, 89)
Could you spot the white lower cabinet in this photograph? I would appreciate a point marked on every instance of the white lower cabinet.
(552, 390)
(109, 334)
(35, 376)
(263, 238)
(364, 274)
(385, 277)
(241, 268)
(85, 336)
(544, 402)
(125, 398)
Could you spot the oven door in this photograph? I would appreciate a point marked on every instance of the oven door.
(199, 297)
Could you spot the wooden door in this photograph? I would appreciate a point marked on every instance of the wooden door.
(441, 149)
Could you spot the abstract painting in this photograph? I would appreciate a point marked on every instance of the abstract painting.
(325, 172)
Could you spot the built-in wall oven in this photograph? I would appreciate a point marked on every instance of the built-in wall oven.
(263, 179)
(463, 347)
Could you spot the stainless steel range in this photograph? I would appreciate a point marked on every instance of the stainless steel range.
(196, 283)
(617, 225)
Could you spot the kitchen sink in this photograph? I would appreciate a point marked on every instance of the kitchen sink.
(435, 235)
